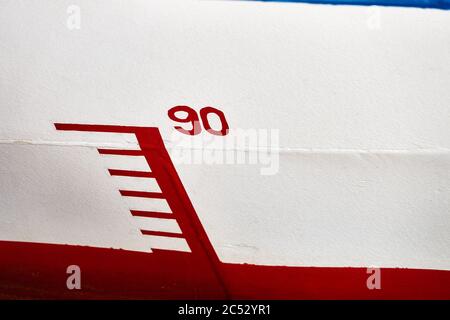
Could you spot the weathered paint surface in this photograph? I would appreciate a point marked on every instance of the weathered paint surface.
(362, 168)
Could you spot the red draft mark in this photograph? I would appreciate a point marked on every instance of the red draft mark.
(31, 270)
(162, 169)
(193, 118)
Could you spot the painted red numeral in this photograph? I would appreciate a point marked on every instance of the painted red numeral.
(204, 116)
(193, 118)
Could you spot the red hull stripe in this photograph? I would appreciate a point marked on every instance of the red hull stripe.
(30, 270)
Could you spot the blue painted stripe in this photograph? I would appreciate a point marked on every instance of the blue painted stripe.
(437, 4)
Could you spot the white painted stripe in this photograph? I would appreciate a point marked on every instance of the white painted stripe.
(136, 184)
(147, 204)
(156, 224)
(125, 162)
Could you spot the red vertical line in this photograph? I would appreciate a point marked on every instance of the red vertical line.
(159, 160)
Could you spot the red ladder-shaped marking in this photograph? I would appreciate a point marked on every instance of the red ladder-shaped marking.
(173, 191)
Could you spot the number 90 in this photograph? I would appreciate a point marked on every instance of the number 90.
(192, 117)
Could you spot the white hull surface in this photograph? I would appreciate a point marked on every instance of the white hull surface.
(337, 154)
